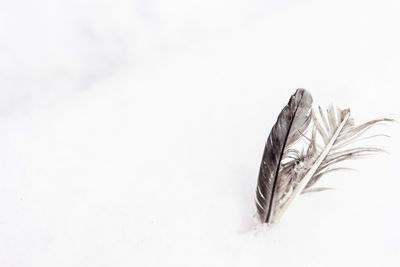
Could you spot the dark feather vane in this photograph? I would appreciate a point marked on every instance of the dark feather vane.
(292, 122)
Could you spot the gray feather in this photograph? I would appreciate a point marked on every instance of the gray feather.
(273, 178)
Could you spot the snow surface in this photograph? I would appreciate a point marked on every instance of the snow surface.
(131, 132)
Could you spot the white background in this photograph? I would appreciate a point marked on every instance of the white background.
(131, 132)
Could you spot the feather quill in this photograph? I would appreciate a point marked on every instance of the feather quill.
(286, 172)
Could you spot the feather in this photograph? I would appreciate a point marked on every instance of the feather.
(338, 133)
(286, 171)
(273, 177)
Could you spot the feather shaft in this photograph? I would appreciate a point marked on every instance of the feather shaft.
(302, 184)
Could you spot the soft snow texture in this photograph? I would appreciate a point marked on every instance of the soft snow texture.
(131, 132)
